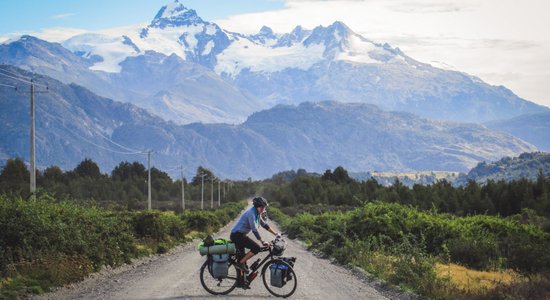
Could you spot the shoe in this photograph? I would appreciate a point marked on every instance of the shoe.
(241, 267)
(242, 285)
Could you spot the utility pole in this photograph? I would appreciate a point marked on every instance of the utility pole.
(182, 191)
(211, 192)
(32, 162)
(202, 191)
(149, 180)
(33, 149)
(224, 183)
(219, 193)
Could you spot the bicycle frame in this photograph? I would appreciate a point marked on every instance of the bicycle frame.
(269, 257)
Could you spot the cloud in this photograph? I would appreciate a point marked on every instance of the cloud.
(489, 39)
(62, 16)
(56, 34)
(427, 7)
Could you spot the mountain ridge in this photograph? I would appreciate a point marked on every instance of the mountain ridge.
(73, 123)
(533, 128)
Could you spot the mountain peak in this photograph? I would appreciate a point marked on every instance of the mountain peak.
(340, 27)
(175, 14)
(266, 31)
(331, 36)
(298, 30)
(265, 36)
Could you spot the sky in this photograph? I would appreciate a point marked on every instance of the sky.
(503, 42)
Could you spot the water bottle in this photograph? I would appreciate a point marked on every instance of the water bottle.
(252, 276)
(255, 264)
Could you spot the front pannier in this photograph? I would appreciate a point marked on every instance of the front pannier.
(280, 272)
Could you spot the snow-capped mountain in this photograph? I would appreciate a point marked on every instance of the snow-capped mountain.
(252, 72)
(327, 63)
(178, 30)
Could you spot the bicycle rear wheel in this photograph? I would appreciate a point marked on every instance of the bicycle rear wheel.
(218, 286)
(290, 282)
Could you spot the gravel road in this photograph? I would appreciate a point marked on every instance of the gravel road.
(175, 275)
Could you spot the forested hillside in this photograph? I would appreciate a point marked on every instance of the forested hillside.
(527, 165)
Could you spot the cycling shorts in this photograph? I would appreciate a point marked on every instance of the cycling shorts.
(242, 241)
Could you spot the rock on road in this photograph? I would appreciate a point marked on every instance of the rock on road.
(175, 275)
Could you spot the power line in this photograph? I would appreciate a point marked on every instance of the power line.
(176, 168)
(121, 146)
(11, 86)
(107, 149)
(99, 146)
(15, 74)
(23, 80)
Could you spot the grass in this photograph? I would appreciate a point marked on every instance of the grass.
(473, 280)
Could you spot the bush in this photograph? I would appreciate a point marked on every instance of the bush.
(160, 226)
(45, 243)
(36, 229)
(401, 244)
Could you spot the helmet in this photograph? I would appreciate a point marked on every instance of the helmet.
(259, 202)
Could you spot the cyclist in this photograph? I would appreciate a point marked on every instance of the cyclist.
(249, 221)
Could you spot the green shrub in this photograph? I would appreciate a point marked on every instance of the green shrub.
(36, 229)
(160, 226)
(413, 267)
(46, 243)
(401, 244)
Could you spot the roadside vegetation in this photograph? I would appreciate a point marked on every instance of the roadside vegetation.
(53, 241)
(46, 243)
(442, 242)
(440, 251)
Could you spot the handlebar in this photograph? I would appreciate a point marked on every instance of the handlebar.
(271, 243)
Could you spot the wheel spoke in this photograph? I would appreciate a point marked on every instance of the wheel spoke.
(288, 288)
(218, 286)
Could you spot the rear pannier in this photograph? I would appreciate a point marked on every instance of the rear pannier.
(219, 265)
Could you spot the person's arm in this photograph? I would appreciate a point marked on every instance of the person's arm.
(268, 228)
(252, 224)
(273, 231)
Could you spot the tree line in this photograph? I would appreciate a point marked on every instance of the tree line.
(124, 188)
(336, 187)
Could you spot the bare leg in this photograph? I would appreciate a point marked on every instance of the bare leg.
(243, 261)
(246, 257)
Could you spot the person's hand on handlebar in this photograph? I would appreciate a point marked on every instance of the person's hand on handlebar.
(264, 243)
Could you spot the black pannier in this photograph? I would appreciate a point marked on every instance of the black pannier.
(280, 273)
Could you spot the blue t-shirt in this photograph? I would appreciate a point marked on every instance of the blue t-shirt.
(249, 221)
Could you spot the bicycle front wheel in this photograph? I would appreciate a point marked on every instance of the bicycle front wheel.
(218, 286)
(280, 281)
